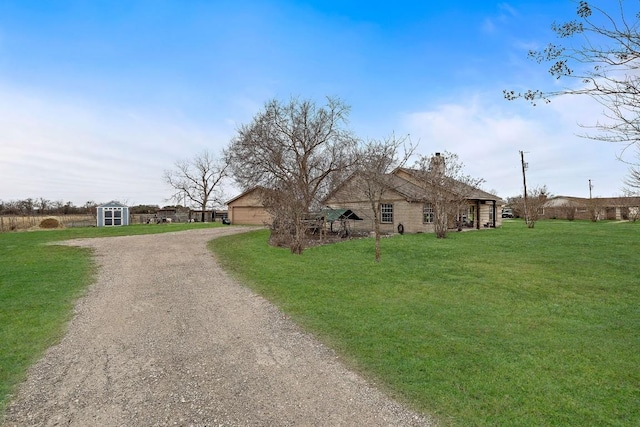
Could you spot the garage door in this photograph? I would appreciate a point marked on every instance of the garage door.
(247, 215)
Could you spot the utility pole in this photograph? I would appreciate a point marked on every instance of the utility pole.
(592, 208)
(524, 182)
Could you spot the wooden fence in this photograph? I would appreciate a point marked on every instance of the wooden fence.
(26, 222)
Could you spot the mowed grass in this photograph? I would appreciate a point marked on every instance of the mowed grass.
(512, 326)
(39, 284)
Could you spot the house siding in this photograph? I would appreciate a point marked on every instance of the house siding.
(407, 210)
(485, 214)
(614, 208)
(405, 213)
(411, 217)
(247, 209)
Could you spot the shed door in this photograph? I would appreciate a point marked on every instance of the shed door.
(112, 216)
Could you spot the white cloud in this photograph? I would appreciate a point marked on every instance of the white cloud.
(491, 24)
(507, 9)
(488, 26)
(488, 139)
(67, 150)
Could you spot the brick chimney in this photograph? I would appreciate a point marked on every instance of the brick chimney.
(437, 164)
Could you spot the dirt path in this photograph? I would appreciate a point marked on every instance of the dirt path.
(166, 338)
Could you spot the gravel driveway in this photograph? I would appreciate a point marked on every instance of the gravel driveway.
(165, 337)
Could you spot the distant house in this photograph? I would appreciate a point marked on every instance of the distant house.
(112, 214)
(247, 209)
(612, 208)
(197, 215)
(166, 213)
(405, 203)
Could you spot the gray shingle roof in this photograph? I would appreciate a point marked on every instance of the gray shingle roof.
(415, 192)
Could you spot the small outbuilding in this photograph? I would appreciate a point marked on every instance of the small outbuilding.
(112, 214)
(247, 209)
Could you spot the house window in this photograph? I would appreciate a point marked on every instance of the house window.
(427, 213)
(386, 213)
(491, 213)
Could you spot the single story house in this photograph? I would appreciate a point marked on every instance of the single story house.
(612, 208)
(247, 208)
(406, 205)
(112, 214)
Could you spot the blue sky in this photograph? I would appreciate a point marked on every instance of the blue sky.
(98, 98)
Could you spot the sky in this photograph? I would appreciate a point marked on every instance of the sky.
(99, 98)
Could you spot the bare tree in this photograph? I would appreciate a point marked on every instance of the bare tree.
(535, 204)
(90, 208)
(633, 204)
(377, 158)
(42, 205)
(57, 206)
(516, 206)
(198, 180)
(294, 149)
(595, 208)
(447, 188)
(27, 206)
(568, 211)
(601, 52)
(632, 181)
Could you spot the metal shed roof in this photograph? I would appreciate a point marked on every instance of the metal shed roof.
(113, 204)
(331, 215)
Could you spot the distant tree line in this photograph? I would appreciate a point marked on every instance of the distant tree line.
(42, 206)
(145, 209)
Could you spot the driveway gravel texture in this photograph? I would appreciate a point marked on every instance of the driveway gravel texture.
(165, 338)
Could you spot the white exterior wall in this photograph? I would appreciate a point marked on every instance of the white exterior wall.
(117, 215)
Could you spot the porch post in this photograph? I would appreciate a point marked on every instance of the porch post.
(495, 213)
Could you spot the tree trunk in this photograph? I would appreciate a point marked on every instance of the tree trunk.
(376, 226)
(297, 243)
(441, 220)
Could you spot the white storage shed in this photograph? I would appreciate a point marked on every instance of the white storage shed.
(112, 214)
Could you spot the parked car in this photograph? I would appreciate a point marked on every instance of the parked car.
(507, 213)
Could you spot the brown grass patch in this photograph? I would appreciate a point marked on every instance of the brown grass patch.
(32, 222)
(49, 223)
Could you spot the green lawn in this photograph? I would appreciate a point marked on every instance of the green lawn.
(508, 327)
(38, 286)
